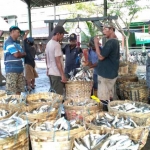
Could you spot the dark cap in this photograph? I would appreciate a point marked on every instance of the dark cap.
(73, 37)
(60, 29)
(30, 39)
(15, 28)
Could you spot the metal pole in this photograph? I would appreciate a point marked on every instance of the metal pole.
(29, 18)
(54, 12)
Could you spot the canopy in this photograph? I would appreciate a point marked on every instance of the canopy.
(44, 3)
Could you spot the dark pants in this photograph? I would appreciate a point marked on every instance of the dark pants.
(95, 80)
(56, 84)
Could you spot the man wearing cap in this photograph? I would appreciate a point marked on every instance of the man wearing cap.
(13, 54)
(72, 52)
(108, 64)
(30, 72)
(54, 61)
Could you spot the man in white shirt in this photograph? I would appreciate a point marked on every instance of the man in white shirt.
(54, 61)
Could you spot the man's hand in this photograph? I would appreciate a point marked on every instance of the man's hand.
(63, 79)
(27, 32)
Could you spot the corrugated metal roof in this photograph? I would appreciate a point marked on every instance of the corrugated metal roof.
(44, 3)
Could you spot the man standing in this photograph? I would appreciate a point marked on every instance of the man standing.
(108, 64)
(13, 63)
(30, 72)
(54, 61)
(72, 52)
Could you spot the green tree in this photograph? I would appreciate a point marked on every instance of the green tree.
(126, 10)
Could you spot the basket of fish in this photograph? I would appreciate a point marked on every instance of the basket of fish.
(2, 93)
(14, 134)
(78, 110)
(103, 140)
(80, 85)
(109, 121)
(44, 97)
(5, 111)
(40, 112)
(54, 134)
(134, 91)
(130, 108)
(15, 102)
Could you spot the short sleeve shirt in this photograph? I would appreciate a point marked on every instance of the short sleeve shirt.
(108, 68)
(53, 49)
(93, 58)
(12, 64)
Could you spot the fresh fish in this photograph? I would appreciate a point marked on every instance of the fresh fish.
(60, 124)
(116, 122)
(132, 107)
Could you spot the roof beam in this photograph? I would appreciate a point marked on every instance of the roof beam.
(83, 19)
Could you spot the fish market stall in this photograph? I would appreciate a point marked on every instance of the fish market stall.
(54, 134)
(102, 140)
(113, 121)
(130, 108)
(75, 109)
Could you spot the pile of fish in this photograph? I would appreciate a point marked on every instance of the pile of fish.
(42, 109)
(132, 107)
(81, 75)
(3, 113)
(60, 124)
(82, 103)
(11, 100)
(116, 122)
(11, 126)
(105, 142)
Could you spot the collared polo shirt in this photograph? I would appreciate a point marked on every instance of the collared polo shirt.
(12, 64)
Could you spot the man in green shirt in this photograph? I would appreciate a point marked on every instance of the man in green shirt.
(108, 64)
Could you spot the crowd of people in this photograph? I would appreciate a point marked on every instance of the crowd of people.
(103, 59)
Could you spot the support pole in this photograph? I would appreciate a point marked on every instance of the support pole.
(29, 18)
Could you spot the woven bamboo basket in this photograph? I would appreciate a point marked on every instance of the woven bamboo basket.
(132, 67)
(16, 142)
(135, 91)
(50, 96)
(6, 107)
(141, 122)
(2, 93)
(79, 112)
(78, 89)
(136, 135)
(59, 140)
(16, 107)
(117, 102)
(123, 69)
(41, 116)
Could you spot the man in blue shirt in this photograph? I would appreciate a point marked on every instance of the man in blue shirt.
(13, 54)
(72, 53)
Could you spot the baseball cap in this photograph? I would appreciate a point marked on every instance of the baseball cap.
(73, 37)
(15, 28)
(60, 29)
(30, 39)
(108, 25)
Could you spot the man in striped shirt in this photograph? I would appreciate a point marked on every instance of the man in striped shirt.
(13, 54)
